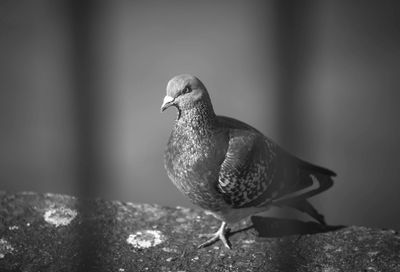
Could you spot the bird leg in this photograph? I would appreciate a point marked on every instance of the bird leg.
(219, 235)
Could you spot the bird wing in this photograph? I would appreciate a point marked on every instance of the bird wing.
(247, 169)
(257, 172)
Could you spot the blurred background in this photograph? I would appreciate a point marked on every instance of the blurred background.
(81, 84)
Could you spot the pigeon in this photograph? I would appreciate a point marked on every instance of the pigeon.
(229, 168)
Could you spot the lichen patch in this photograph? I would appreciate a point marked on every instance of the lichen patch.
(248, 241)
(5, 248)
(61, 216)
(146, 238)
(169, 250)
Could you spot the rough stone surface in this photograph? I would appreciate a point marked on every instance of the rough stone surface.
(49, 232)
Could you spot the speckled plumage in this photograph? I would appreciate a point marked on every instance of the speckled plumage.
(228, 167)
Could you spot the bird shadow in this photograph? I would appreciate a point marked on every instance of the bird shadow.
(269, 227)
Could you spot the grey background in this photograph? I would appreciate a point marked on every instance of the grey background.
(350, 80)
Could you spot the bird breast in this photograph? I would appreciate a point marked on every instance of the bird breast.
(193, 165)
(192, 158)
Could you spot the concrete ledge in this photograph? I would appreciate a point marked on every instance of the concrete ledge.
(49, 232)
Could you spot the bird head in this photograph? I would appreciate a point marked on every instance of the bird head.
(184, 92)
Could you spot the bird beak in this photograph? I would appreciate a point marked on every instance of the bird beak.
(168, 101)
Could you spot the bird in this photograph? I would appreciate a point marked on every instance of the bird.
(229, 168)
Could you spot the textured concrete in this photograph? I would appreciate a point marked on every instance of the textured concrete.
(48, 232)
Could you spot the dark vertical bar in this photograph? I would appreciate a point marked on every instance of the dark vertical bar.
(292, 41)
(85, 100)
(82, 15)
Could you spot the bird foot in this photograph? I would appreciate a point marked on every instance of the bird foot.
(221, 234)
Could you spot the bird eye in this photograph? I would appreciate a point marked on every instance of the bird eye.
(187, 89)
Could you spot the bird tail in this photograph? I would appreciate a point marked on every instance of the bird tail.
(315, 168)
(310, 174)
(306, 207)
(304, 189)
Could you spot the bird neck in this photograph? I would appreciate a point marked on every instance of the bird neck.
(199, 120)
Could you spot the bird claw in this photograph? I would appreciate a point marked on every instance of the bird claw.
(221, 234)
